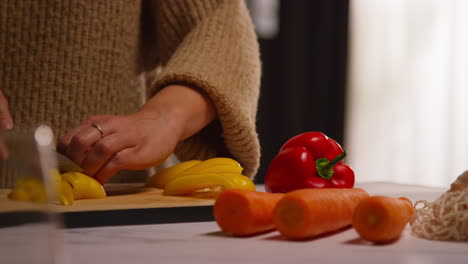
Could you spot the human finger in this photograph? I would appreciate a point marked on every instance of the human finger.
(81, 143)
(6, 122)
(4, 153)
(104, 150)
(119, 161)
(64, 141)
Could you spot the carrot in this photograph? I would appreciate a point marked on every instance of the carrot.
(382, 219)
(243, 212)
(308, 213)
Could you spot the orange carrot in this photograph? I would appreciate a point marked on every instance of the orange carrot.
(243, 213)
(308, 213)
(382, 219)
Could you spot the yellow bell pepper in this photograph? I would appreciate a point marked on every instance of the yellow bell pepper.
(84, 187)
(29, 189)
(64, 191)
(32, 189)
(216, 182)
(162, 177)
(69, 186)
(213, 165)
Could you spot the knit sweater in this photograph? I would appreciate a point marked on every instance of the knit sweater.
(61, 61)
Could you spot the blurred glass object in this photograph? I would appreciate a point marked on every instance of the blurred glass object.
(29, 230)
(265, 16)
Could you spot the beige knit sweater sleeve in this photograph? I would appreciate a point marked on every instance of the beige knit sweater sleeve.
(211, 45)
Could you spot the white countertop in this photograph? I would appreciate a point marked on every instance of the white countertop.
(204, 243)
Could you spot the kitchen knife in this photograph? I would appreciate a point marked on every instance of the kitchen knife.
(67, 165)
(22, 152)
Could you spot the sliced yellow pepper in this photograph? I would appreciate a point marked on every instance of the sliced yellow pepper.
(213, 165)
(217, 182)
(29, 189)
(64, 191)
(84, 187)
(69, 186)
(162, 177)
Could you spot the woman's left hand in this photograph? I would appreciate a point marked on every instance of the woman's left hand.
(103, 145)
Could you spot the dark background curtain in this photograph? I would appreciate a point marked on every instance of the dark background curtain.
(304, 75)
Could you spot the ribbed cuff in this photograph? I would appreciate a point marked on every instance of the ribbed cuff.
(231, 135)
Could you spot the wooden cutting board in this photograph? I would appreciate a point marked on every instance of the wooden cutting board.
(126, 204)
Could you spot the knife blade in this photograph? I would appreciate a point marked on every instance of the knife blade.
(66, 164)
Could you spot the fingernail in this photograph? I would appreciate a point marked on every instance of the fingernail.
(5, 124)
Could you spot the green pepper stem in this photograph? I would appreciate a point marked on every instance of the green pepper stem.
(335, 161)
(325, 167)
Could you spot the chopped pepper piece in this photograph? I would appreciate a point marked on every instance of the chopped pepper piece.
(218, 182)
(32, 189)
(84, 186)
(162, 177)
(213, 165)
(29, 189)
(69, 186)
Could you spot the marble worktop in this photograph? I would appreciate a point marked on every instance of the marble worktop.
(202, 242)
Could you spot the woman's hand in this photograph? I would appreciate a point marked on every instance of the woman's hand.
(6, 122)
(128, 142)
(141, 140)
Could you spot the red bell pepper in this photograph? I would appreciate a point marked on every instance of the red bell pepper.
(309, 160)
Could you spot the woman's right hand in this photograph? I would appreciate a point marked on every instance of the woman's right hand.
(6, 122)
